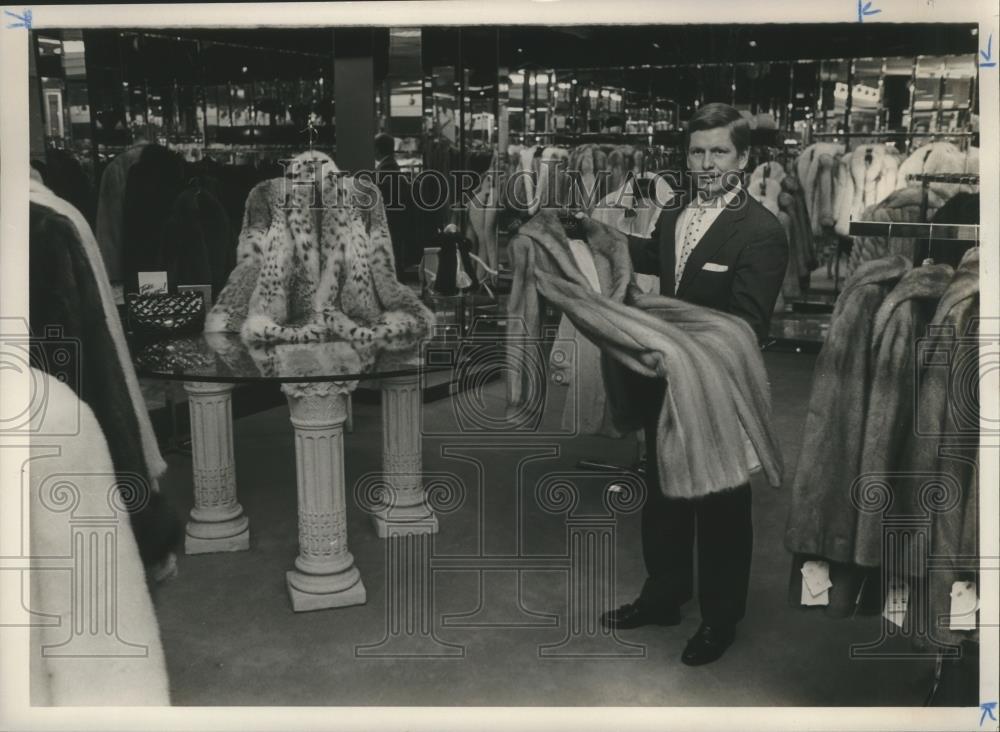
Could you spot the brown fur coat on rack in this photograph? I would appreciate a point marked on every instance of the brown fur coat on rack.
(822, 521)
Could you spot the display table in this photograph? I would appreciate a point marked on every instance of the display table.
(317, 379)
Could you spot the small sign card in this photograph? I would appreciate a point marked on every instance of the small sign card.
(153, 283)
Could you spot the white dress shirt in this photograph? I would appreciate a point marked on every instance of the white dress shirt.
(694, 221)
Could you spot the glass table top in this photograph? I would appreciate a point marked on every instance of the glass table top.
(225, 357)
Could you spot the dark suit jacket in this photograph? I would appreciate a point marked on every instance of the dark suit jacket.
(746, 239)
(396, 197)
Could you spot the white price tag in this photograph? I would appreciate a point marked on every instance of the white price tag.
(816, 583)
(896, 602)
(964, 603)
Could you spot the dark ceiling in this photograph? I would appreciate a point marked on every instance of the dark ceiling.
(295, 53)
(613, 46)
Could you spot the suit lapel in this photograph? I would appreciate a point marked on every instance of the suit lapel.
(717, 235)
(668, 246)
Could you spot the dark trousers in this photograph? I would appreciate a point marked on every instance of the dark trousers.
(724, 528)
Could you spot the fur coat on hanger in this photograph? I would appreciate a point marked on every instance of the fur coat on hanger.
(817, 181)
(900, 325)
(588, 161)
(551, 174)
(154, 183)
(314, 262)
(945, 444)
(765, 185)
(111, 207)
(791, 201)
(865, 178)
(900, 206)
(619, 163)
(939, 157)
(822, 520)
(519, 191)
(481, 223)
(715, 421)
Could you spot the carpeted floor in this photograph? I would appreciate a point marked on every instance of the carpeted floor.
(232, 639)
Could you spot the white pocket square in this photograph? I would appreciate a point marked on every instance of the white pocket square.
(713, 267)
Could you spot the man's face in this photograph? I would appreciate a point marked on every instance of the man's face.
(714, 161)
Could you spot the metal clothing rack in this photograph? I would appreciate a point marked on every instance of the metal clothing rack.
(926, 179)
(958, 233)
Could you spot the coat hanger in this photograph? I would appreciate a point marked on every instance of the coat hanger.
(311, 132)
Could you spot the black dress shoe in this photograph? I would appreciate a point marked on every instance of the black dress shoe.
(635, 615)
(708, 645)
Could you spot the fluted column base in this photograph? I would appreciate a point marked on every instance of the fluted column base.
(405, 510)
(211, 538)
(217, 522)
(324, 575)
(321, 592)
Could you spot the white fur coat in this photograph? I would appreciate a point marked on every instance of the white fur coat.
(72, 483)
(864, 178)
(314, 263)
(940, 157)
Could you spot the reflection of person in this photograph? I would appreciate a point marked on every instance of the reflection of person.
(396, 197)
(725, 251)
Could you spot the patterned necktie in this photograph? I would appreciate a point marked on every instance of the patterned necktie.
(692, 234)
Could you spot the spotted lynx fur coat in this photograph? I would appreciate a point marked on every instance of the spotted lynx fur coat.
(315, 263)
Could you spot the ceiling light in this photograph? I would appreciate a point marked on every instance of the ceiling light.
(753, 44)
(655, 44)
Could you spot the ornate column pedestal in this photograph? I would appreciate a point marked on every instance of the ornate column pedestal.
(405, 508)
(324, 574)
(217, 523)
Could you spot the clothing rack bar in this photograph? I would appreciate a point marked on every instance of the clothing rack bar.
(969, 179)
(849, 135)
(964, 233)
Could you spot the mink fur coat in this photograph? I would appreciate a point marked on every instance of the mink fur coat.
(900, 324)
(944, 444)
(65, 294)
(315, 262)
(822, 519)
(717, 398)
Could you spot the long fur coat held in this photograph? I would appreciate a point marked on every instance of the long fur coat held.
(717, 397)
(315, 262)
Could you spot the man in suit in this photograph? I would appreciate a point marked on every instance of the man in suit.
(718, 248)
(395, 192)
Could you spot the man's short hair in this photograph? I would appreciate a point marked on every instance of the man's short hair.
(717, 114)
(385, 144)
